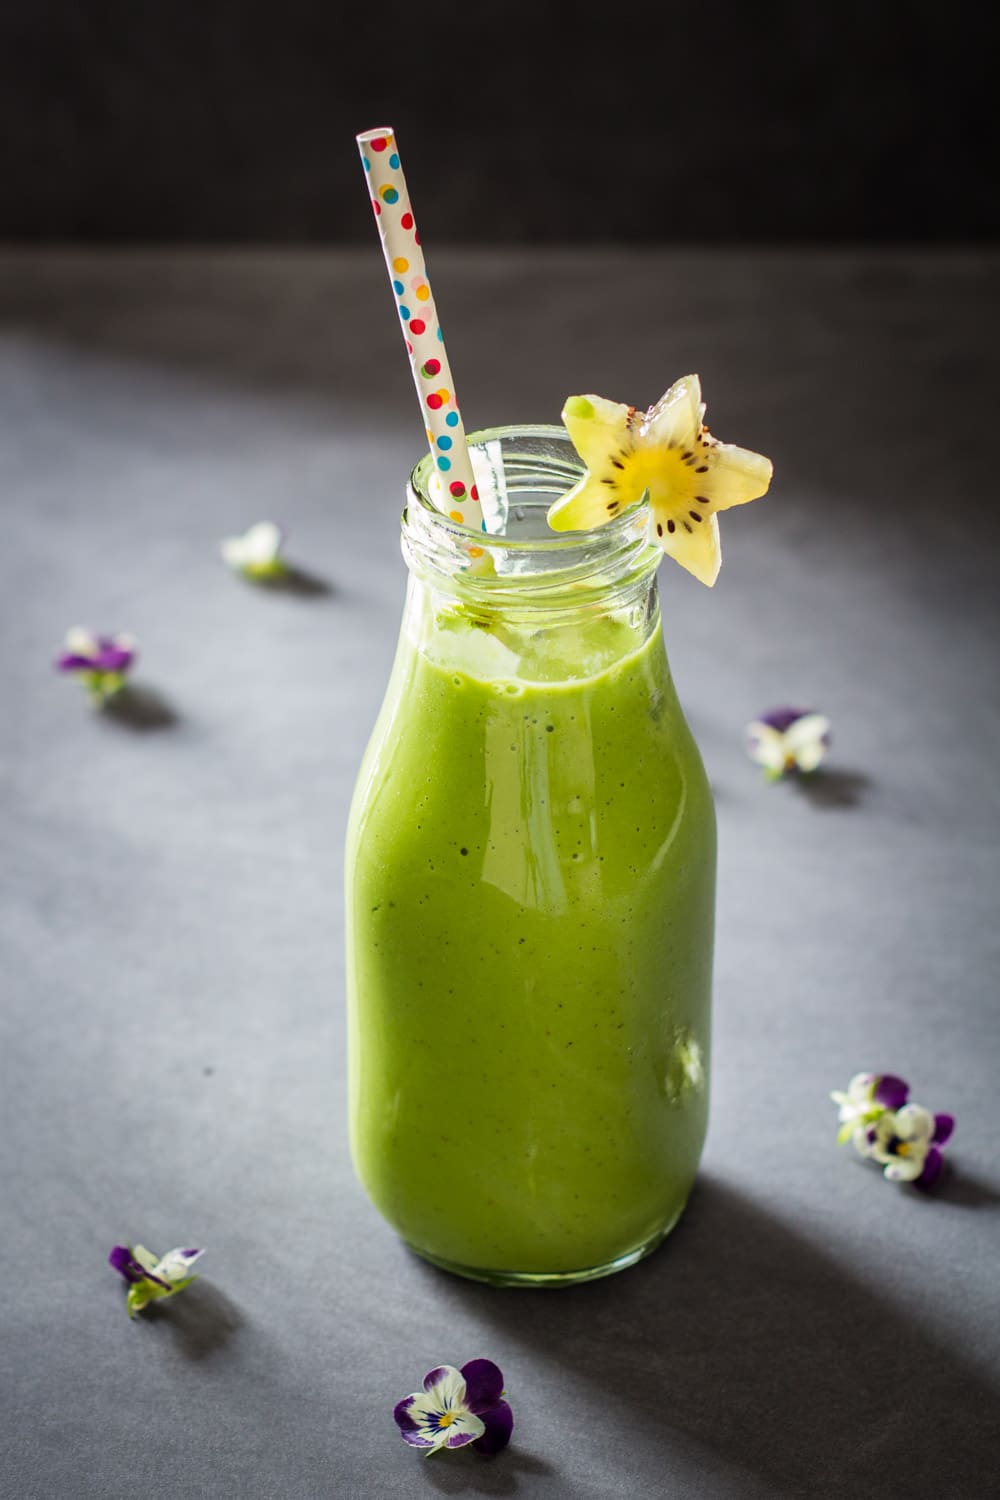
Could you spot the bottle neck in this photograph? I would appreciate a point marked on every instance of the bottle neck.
(529, 604)
(517, 570)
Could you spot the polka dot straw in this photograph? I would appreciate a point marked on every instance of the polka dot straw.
(453, 489)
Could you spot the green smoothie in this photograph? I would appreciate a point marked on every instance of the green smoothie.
(530, 880)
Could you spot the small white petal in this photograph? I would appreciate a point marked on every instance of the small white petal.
(449, 1392)
(262, 542)
(176, 1264)
(862, 1087)
(905, 1168)
(914, 1124)
(233, 549)
(146, 1258)
(808, 757)
(805, 730)
(80, 642)
(766, 746)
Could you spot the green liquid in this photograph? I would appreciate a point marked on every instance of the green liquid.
(531, 869)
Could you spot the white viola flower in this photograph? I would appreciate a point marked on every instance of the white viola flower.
(866, 1098)
(151, 1278)
(101, 662)
(457, 1407)
(788, 739)
(906, 1143)
(257, 553)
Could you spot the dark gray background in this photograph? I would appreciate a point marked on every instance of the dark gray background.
(171, 1032)
(719, 122)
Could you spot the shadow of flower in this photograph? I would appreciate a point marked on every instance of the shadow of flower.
(202, 1319)
(142, 708)
(293, 580)
(833, 789)
(468, 1471)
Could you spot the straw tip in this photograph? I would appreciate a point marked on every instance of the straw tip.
(379, 132)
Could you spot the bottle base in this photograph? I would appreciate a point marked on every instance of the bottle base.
(550, 1278)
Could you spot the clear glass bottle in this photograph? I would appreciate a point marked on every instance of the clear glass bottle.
(530, 889)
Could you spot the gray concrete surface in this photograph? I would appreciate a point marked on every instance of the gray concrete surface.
(171, 1027)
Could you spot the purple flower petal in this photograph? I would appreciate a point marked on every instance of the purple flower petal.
(933, 1162)
(122, 1261)
(434, 1377)
(499, 1424)
(126, 1265)
(890, 1091)
(783, 718)
(483, 1384)
(943, 1127)
(68, 661)
(111, 657)
(459, 1438)
(416, 1440)
(401, 1416)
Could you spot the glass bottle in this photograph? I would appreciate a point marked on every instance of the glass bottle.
(530, 891)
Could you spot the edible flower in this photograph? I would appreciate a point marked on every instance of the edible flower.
(257, 553)
(788, 739)
(907, 1143)
(669, 453)
(150, 1279)
(102, 661)
(866, 1098)
(457, 1407)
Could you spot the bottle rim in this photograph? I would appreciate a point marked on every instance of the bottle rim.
(609, 556)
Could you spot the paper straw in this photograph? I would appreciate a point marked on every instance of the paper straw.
(453, 489)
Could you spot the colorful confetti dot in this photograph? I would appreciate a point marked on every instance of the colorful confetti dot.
(398, 288)
(401, 264)
(394, 161)
(475, 495)
(445, 396)
(444, 443)
(419, 326)
(404, 312)
(456, 515)
(376, 206)
(388, 193)
(452, 418)
(476, 551)
(423, 292)
(432, 367)
(440, 337)
(456, 488)
(434, 401)
(444, 464)
(368, 165)
(407, 221)
(379, 143)
(416, 239)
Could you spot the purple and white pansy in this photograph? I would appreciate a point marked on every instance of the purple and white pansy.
(457, 1407)
(102, 662)
(868, 1095)
(151, 1278)
(788, 739)
(907, 1143)
(257, 553)
(904, 1138)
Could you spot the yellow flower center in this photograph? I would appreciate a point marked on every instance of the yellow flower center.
(446, 1418)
